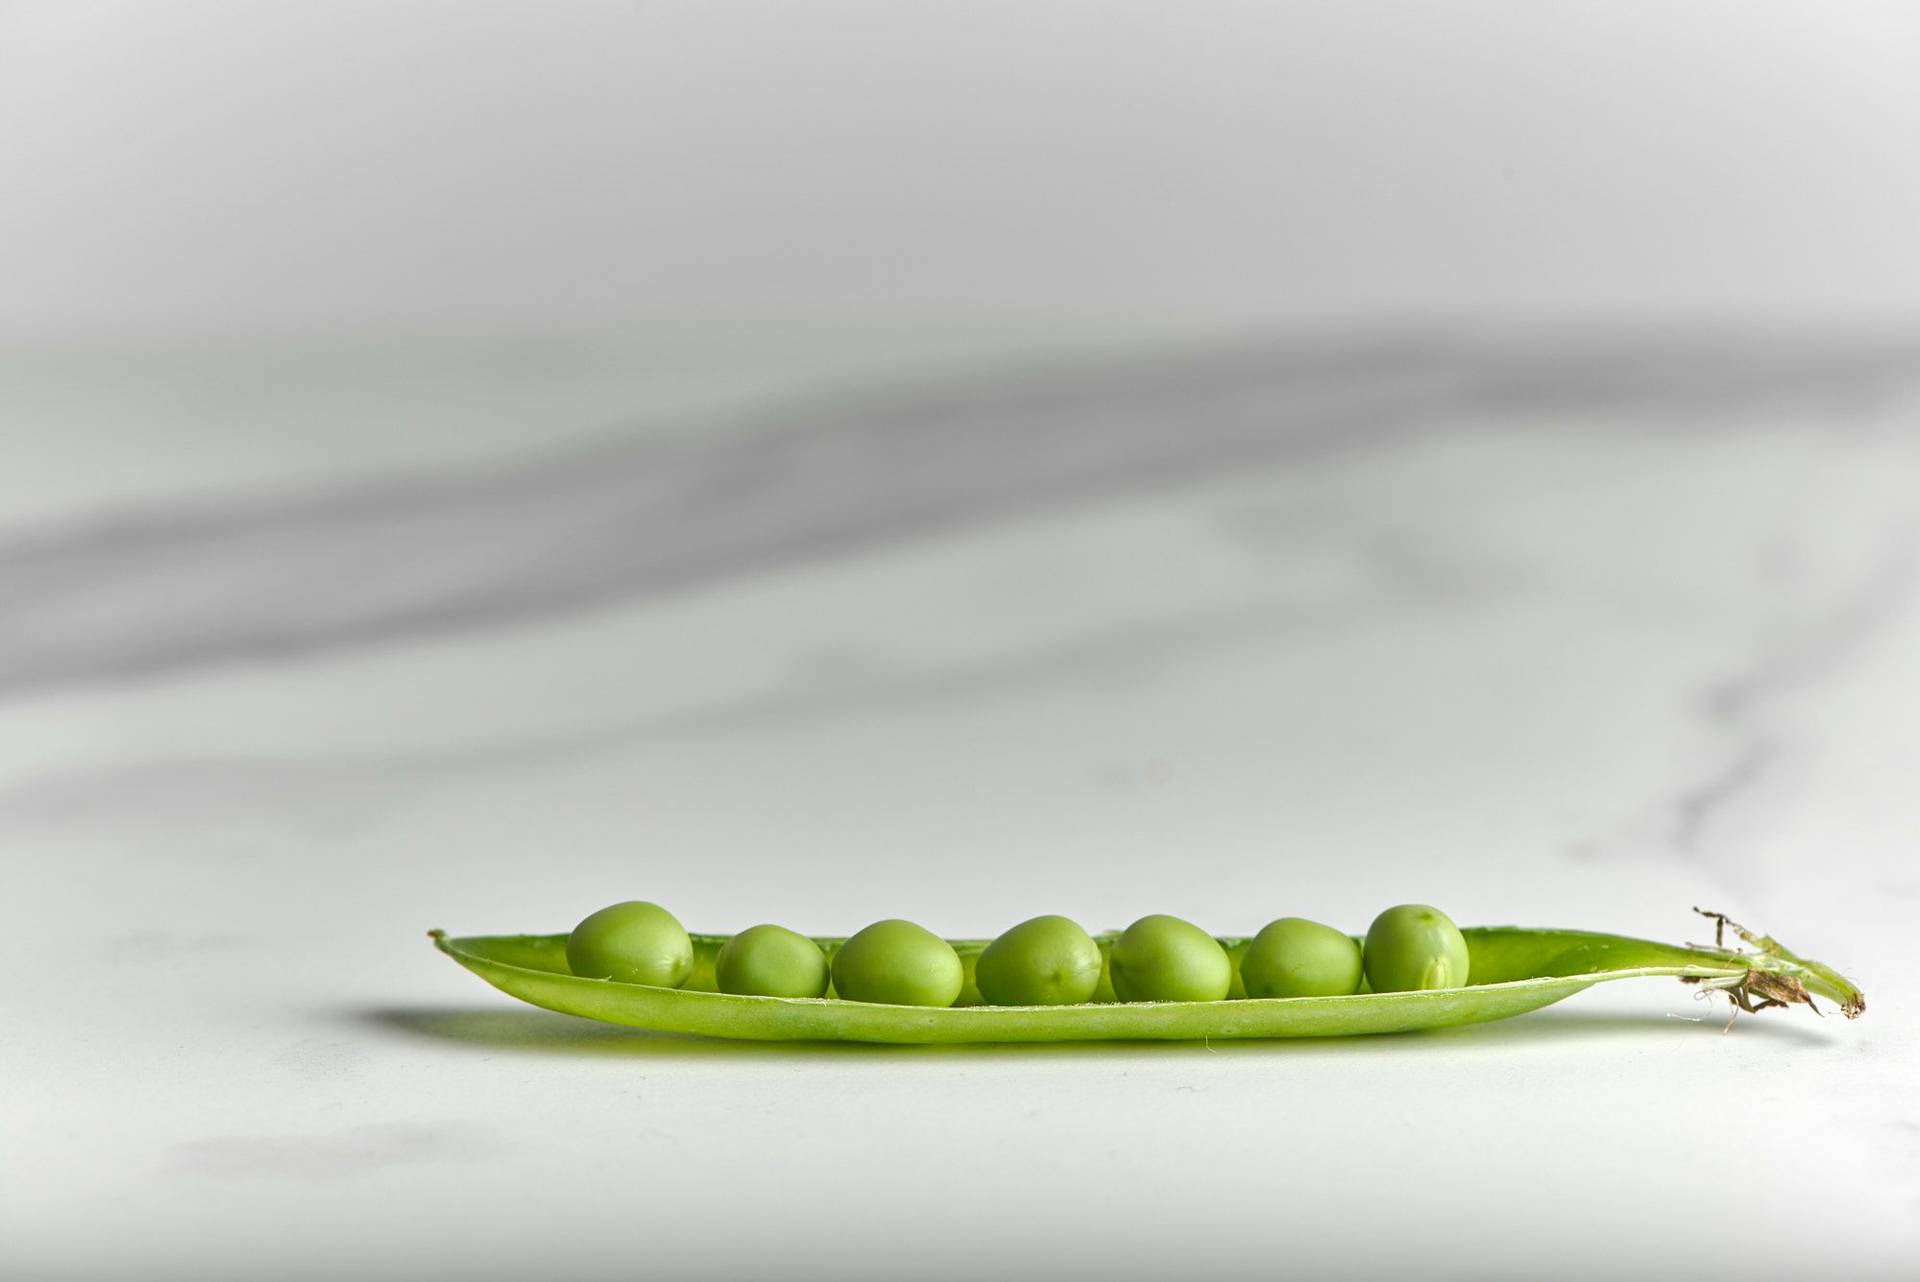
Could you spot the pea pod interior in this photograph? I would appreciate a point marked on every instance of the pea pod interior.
(1513, 970)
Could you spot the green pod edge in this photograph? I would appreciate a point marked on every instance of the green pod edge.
(1513, 970)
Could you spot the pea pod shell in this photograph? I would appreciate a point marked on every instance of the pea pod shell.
(1515, 970)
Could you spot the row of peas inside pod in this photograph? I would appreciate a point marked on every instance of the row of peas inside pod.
(1046, 961)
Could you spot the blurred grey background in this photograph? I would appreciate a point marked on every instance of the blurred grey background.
(303, 240)
(193, 169)
(464, 464)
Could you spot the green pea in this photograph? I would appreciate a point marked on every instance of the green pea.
(1294, 957)
(1163, 959)
(1413, 947)
(1048, 961)
(771, 961)
(898, 963)
(635, 943)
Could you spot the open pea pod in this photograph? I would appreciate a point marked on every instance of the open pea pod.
(1513, 970)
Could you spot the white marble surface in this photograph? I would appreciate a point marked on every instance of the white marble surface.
(1572, 628)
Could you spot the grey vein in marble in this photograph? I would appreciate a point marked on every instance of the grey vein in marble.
(1735, 705)
(339, 792)
(264, 577)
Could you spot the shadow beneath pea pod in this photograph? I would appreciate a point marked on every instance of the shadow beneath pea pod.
(544, 1033)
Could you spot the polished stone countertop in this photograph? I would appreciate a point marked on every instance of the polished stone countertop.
(306, 650)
